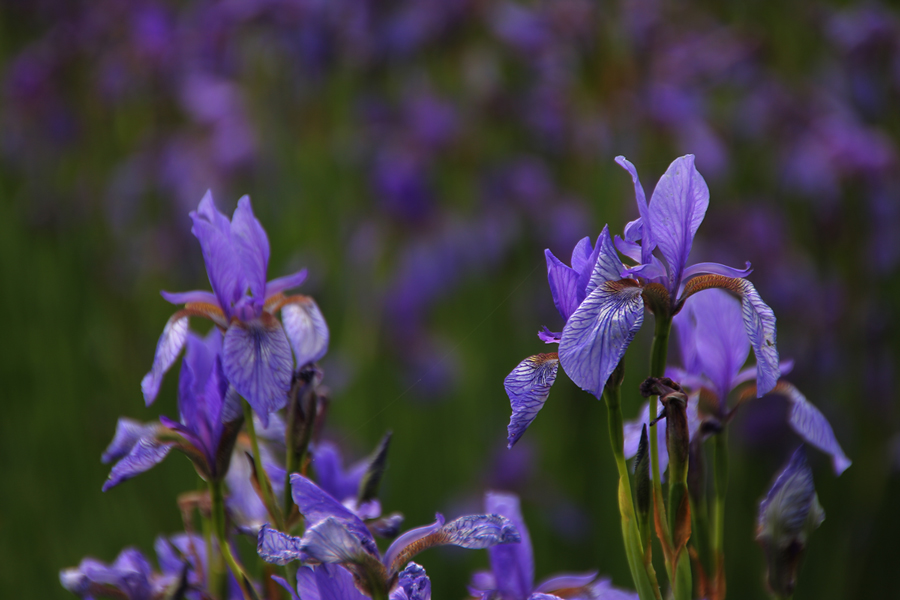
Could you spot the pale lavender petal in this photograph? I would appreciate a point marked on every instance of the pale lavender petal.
(749, 374)
(598, 333)
(604, 590)
(278, 548)
(316, 505)
(811, 425)
(607, 267)
(145, 454)
(716, 269)
(285, 283)
(167, 348)
(128, 432)
(565, 581)
(512, 564)
(223, 266)
(677, 208)
(528, 387)
(477, 532)
(330, 541)
(414, 583)
(759, 321)
(563, 285)
(252, 248)
(549, 337)
(306, 329)
(410, 537)
(257, 360)
(196, 296)
(543, 596)
(648, 236)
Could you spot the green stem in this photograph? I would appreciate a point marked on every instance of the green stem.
(217, 500)
(264, 484)
(720, 488)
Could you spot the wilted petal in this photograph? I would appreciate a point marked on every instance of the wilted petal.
(647, 236)
(412, 584)
(598, 333)
(282, 284)
(330, 541)
(277, 547)
(759, 321)
(257, 360)
(306, 329)
(128, 432)
(811, 425)
(528, 387)
(511, 564)
(607, 267)
(252, 247)
(169, 345)
(145, 454)
(677, 208)
(563, 285)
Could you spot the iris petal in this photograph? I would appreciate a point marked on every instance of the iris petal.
(607, 267)
(813, 427)
(563, 285)
(759, 321)
(278, 548)
(306, 329)
(252, 248)
(282, 284)
(528, 387)
(169, 345)
(146, 454)
(512, 564)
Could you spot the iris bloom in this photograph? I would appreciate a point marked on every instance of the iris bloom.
(602, 300)
(334, 582)
(182, 567)
(714, 347)
(512, 568)
(207, 429)
(256, 353)
(336, 536)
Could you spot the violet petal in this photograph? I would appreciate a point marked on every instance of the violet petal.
(252, 247)
(511, 564)
(278, 548)
(285, 283)
(811, 425)
(331, 541)
(563, 285)
(648, 241)
(306, 329)
(528, 386)
(608, 267)
(759, 321)
(196, 296)
(145, 454)
(169, 345)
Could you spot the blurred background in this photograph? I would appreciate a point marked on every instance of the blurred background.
(417, 157)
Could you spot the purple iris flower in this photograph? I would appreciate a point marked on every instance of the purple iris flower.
(206, 432)
(334, 582)
(512, 567)
(256, 353)
(603, 301)
(336, 536)
(714, 347)
(182, 566)
(343, 484)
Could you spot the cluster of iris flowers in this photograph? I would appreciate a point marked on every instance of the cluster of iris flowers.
(250, 404)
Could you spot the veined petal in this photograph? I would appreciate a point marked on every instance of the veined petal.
(759, 321)
(566, 581)
(648, 242)
(528, 387)
(257, 360)
(128, 432)
(563, 285)
(278, 548)
(511, 564)
(316, 505)
(282, 284)
(410, 543)
(412, 584)
(306, 329)
(330, 541)
(598, 333)
(676, 210)
(607, 267)
(715, 269)
(252, 247)
(169, 345)
(198, 296)
(146, 454)
(811, 425)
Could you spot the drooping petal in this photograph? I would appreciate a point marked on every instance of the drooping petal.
(511, 564)
(330, 541)
(196, 296)
(257, 360)
(316, 505)
(676, 209)
(410, 539)
(306, 329)
(146, 453)
(716, 269)
(598, 333)
(563, 285)
(607, 267)
(412, 584)
(128, 432)
(759, 321)
(278, 548)
(252, 247)
(528, 387)
(223, 265)
(648, 241)
(811, 425)
(282, 284)
(287, 586)
(169, 345)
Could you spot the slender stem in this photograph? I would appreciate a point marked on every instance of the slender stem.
(720, 488)
(658, 355)
(217, 500)
(264, 484)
